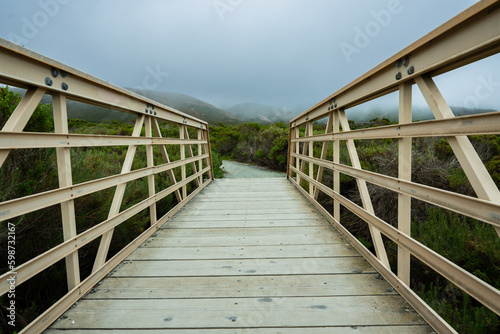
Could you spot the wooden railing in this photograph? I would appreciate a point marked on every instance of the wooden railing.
(22, 68)
(469, 37)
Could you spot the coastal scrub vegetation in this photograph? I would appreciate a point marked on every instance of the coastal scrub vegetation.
(470, 244)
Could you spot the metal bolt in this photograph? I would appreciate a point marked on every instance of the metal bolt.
(64, 86)
(63, 73)
(155, 113)
(406, 61)
(48, 81)
(398, 63)
(398, 76)
(411, 70)
(54, 72)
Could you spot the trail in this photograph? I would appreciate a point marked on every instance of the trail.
(237, 170)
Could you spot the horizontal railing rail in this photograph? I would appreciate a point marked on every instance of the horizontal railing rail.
(471, 36)
(41, 76)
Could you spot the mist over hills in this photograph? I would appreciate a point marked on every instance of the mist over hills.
(191, 106)
(240, 113)
(261, 113)
(419, 113)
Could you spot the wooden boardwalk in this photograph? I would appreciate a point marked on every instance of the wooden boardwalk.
(245, 256)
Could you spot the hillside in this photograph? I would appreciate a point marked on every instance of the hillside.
(418, 113)
(181, 102)
(260, 113)
(191, 106)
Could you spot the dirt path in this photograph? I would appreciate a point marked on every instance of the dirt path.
(237, 170)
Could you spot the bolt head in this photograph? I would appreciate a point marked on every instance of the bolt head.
(398, 76)
(54, 72)
(406, 61)
(48, 81)
(64, 86)
(411, 70)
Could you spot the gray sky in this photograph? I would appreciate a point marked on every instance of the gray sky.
(285, 53)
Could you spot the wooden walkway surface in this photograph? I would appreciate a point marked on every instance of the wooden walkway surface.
(245, 256)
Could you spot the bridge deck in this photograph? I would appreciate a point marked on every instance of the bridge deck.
(246, 255)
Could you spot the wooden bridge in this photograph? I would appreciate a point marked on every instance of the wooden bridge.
(247, 254)
(251, 255)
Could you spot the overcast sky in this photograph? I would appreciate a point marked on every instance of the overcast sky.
(285, 53)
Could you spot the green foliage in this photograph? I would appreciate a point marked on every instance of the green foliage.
(469, 243)
(265, 145)
(216, 164)
(40, 121)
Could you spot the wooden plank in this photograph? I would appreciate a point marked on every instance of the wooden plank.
(240, 286)
(249, 252)
(245, 206)
(246, 236)
(411, 329)
(268, 217)
(186, 223)
(240, 312)
(249, 267)
(234, 196)
(193, 212)
(305, 232)
(243, 241)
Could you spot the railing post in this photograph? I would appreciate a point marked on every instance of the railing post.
(297, 150)
(311, 155)
(150, 162)
(336, 160)
(305, 151)
(324, 152)
(183, 157)
(200, 163)
(404, 173)
(377, 240)
(66, 180)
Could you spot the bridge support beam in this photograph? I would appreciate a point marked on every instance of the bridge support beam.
(310, 126)
(21, 115)
(102, 253)
(404, 173)
(166, 158)
(183, 156)
(477, 174)
(324, 151)
(66, 180)
(150, 161)
(378, 243)
(336, 160)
